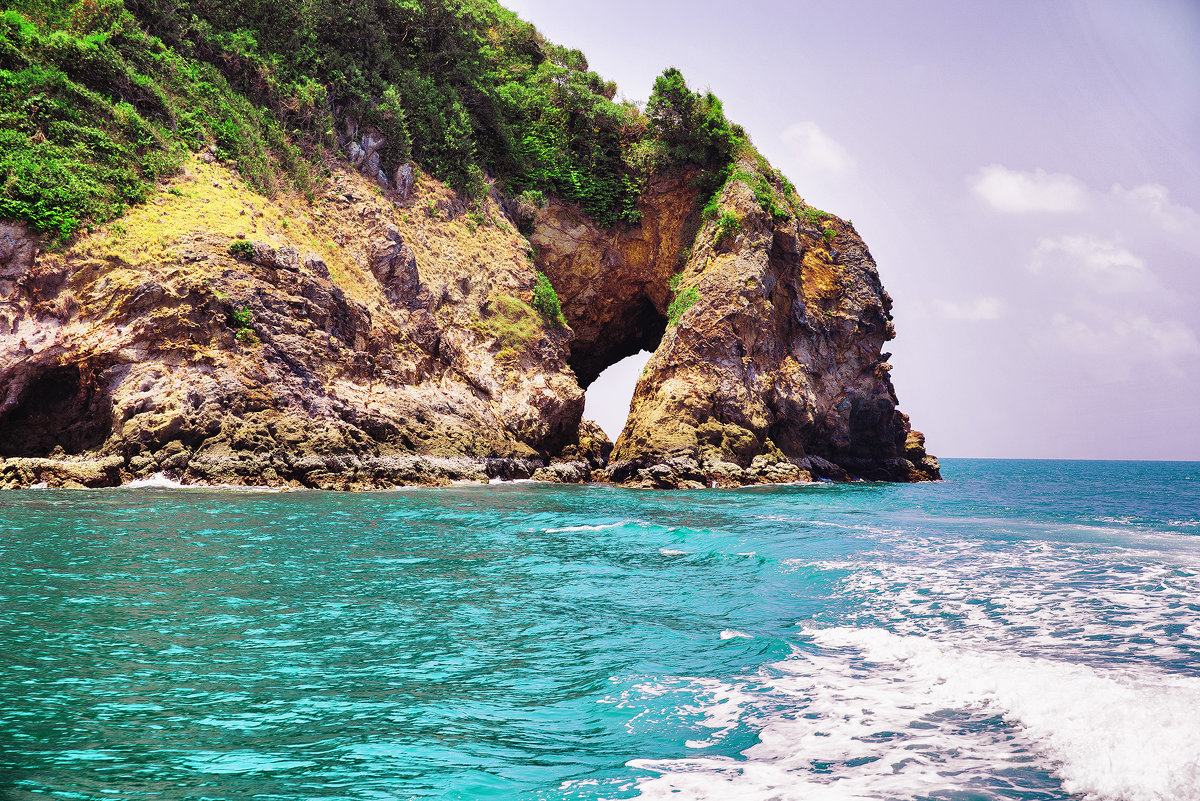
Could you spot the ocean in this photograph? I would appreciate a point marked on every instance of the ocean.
(1023, 630)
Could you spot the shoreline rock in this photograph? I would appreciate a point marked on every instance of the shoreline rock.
(378, 339)
(386, 473)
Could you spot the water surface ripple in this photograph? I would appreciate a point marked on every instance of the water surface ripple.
(1025, 630)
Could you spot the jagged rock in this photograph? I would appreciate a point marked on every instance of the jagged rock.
(356, 155)
(371, 159)
(779, 351)
(592, 446)
(614, 284)
(372, 141)
(404, 180)
(285, 258)
(564, 473)
(825, 469)
(371, 169)
(316, 265)
(218, 373)
(61, 472)
(17, 251)
(407, 351)
(921, 466)
(395, 265)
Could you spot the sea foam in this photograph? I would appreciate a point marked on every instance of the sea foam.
(905, 716)
(156, 481)
(991, 669)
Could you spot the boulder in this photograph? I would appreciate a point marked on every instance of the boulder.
(404, 180)
(395, 265)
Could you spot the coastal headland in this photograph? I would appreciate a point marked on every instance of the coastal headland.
(379, 323)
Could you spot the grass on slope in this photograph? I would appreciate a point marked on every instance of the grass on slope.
(100, 99)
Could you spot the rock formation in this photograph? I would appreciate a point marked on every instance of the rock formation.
(384, 335)
(774, 372)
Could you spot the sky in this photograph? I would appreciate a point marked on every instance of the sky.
(1026, 174)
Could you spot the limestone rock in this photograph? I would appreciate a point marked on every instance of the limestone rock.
(614, 284)
(332, 369)
(591, 445)
(316, 265)
(395, 265)
(17, 250)
(285, 258)
(564, 473)
(778, 354)
(372, 141)
(371, 168)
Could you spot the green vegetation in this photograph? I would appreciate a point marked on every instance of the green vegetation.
(545, 301)
(533, 197)
(241, 249)
(93, 111)
(764, 193)
(691, 128)
(242, 323)
(512, 323)
(728, 226)
(812, 216)
(101, 99)
(682, 302)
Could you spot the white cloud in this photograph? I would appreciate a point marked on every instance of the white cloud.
(1104, 265)
(816, 150)
(1153, 202)
(1015, 192)
(1123, 339)
(972, 311)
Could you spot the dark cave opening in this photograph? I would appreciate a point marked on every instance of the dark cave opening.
(637, 327)
(61, 408)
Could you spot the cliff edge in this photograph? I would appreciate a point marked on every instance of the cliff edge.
(369, 340)
(222, 267)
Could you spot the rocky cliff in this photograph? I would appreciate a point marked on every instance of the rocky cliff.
(378, 337)
(772, 369)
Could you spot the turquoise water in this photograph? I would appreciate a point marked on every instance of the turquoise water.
(1025, 630)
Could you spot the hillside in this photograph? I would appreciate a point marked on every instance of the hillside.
(353, 248)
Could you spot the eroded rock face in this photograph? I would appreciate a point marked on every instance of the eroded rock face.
(368, 363)
(613, 284)
(387, 338)
(774, 373)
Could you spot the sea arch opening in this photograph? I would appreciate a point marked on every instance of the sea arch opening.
(610, 396)
(613, 342)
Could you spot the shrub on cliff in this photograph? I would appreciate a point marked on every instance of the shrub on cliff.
(681, 303)
(242, 250)
(545, 301)
(728, 226)
(692, 129)
(692, 126)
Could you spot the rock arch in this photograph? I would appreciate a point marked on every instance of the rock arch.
(776, 371)
(613, 283)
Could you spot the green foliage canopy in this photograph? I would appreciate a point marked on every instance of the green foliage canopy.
(99, 99)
